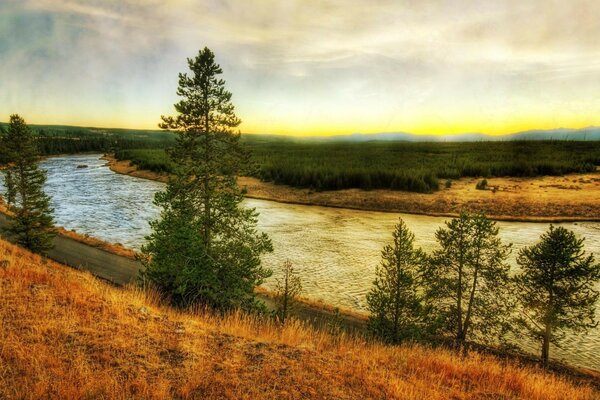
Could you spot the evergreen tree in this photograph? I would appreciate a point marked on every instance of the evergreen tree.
(32, 225)
(218, 249)
(556, 288)
(394, 302)
(287, 289)
(468, 281)
(3, 155)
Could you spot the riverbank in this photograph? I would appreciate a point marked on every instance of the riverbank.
(123, 271)
(113, 248)
(69, 335)
(568, 198)
(119, 265)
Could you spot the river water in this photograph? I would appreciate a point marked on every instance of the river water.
(334, 250)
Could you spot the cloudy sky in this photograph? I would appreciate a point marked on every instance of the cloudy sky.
(308, 67)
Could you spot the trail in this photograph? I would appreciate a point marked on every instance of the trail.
(121, 271)
(111, 267)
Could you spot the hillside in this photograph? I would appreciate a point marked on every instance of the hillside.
(65, 334)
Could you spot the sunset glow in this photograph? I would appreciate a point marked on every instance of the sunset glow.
(308, 68)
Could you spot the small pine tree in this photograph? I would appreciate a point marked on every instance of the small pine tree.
(33, 224)
(215, 259)
(467, 281)
(393, 302)
(287, 289)
(556, 288)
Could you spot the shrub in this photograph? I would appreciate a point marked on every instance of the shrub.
(482, 184)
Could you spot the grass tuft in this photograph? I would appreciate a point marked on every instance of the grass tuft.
(65, 334)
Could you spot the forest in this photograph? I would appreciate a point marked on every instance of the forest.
(56, 139)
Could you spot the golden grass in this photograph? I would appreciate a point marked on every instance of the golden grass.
(65, 334)
(573, 197)
(114, 248)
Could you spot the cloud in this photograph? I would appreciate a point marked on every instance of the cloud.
(73, 7)
(343, 57)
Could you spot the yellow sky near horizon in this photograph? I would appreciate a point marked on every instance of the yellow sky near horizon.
(325, 67)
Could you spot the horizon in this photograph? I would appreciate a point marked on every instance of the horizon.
(333, 136)
(327, 68)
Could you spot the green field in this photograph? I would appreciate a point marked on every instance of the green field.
(332, 165)
(417, 167)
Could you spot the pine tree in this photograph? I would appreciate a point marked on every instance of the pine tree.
(468, 281)
(33, 225)
(287, 289)
(205, 248)
(556, 288)
(394, 302)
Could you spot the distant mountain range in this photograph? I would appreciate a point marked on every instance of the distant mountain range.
(590, 133)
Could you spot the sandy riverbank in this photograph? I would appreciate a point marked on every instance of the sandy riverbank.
(574, 197)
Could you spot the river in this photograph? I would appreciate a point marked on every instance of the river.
(334, 250)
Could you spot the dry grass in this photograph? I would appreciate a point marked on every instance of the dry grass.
(574, 197)
(318, 305)
(67, 335)
(114, 248)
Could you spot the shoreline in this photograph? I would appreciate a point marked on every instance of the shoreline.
(320, 315)
(113, 248)
(569, 198)
(316, 312)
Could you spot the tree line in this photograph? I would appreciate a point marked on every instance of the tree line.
(56, 141)
(465, 289)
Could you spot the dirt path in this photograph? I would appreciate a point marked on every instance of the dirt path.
(573, 197)
(122, 270)
(111, 267)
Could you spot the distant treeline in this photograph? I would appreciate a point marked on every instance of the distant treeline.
(416, 167)
(52, 140)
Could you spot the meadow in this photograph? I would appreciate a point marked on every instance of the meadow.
(66, 334)
(416, 167)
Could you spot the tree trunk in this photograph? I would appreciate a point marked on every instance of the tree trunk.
(546, 345)
(459, 330)
(207, 177)
(396, 305)
(285, 298)
(467, 323)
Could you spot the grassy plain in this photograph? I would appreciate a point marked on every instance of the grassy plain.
(415, 167)
(65, 334)
(572, 197)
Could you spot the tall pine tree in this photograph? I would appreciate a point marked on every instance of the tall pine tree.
(468, 281)
(33, 223)
(205, 248)
(556, 288)
(394, 302)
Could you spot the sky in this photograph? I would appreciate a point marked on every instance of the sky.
(308, 67)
